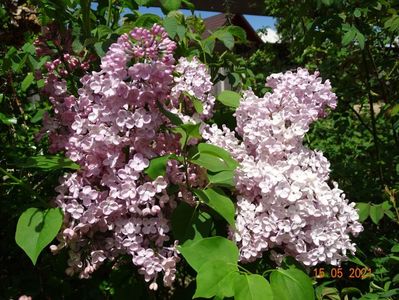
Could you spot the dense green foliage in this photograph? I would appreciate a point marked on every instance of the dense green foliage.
(354, 45)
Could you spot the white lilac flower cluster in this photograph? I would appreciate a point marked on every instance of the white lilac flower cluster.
(112, 130)
(284, 201)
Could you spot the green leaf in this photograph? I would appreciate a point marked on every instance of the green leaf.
(394, 110)
(7, 120)
(170, 5)
(29, 48)
(350, 291)
(390, 214)
(218, 201)
(26, 83)
(291, 284)
(392, 24)
(157, 166)
(357, 261)
(229, 98)
(171, 24)
(187, 132)
(99, 49)
(189, 224)
(210, 162)
(147, 20)
(357, 13)
(215, 248)
(77, 46)
(209, 45)
(395, 248)
(40, 83)
(216, 151)
(223, 178)
(363, 210)
(174, 119)
(144, 2)
(225, 37)
(349, 36)
(252, 287)
(38, 116)
(376, 213)
(216, 277)
(49, 162)
(36, 229)
(328, 2)
(327, 293)
(199, 108)
(189, 5)
(101, 31)
(238, 32)
(361, 39)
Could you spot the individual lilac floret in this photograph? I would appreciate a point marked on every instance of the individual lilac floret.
(284, 200)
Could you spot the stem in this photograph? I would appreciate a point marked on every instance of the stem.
(375, 69)
(267, 271)
(361, 119)
(245, 270)
(85, 7)
(109, 13)
(373, 119)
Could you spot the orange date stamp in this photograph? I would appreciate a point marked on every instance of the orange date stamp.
(338, 272)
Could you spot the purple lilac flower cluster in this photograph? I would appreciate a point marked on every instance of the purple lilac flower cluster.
(112, 129)
(284, 200)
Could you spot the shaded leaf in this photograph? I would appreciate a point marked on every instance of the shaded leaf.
(36, 229)
(157, 166)
(49, 162)
(174, 119)
(376, 213)
(238, 32)
(225, 37)
(147, 20)
(189, 224)
(363, 210)
(219, 202)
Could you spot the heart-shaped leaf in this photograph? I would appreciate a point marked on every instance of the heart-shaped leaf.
(36, 229)
(252, 287)
(215, 248)
(291, 284)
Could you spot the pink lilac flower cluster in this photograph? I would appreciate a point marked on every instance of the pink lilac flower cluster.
(112, 129)
(284, 201)
(195, 82)
(63, 64)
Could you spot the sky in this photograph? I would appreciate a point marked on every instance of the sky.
(255, 21)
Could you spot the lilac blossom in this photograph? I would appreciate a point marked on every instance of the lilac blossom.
(111, 128)
(284, 200)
